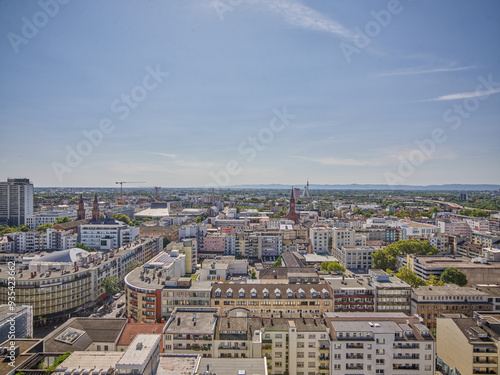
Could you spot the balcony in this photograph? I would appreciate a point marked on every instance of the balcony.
(354, 356)
(405, 346)
(266, 347)
(324, 357)
(484, 350)
(229, 347)
(357, 366)
(397, 366)
(406, 356)
(484, 371)
(486, 360)
(354, 346)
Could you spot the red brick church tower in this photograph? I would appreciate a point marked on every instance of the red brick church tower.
(95, 210)
(292, 215)
(80, 213)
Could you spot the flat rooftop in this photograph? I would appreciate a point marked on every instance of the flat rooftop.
(134, 279)
(231, 366)
(197, 322)
(348, 283)
(90, 360)
(139, 350)
(447, 290)
(414, 224)
(390, 282)
(317, 258)
(178, 364)
(153, 212)
(457, 262)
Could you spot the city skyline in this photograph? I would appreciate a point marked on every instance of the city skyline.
(220, 93)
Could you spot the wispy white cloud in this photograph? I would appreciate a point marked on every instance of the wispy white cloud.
(298, 14)
(171, 156)
(466, 95)
(421, 70)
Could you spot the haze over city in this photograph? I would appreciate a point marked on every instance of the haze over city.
(206, 93)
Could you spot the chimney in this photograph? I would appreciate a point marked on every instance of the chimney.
(179, 321)
(228, 324)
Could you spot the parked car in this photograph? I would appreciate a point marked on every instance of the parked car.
(120, 304)
(119, 313)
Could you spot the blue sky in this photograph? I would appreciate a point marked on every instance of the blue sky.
(362, 84)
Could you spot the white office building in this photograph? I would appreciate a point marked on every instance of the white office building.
(16, 201)
(106, 234)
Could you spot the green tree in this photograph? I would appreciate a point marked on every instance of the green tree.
(57, 362)
(278, 262)
(386, 258)
(83, 246)
(358, 211)
(332, 266)
(122, 217)
(110, 285)
(280, 213)
(409, 277)
(453, 276)
(474, 212)
(62, 220)
(199, 220)
(403, 213)
(434, 281)
(253, 274)
(23, 228)
(44, 227)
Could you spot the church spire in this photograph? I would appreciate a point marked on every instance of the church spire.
(80, 213)
(95, 209)
(292, 215)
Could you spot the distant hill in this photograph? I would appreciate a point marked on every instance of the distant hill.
(448, 187)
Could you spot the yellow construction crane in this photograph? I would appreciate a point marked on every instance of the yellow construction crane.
(121, 187)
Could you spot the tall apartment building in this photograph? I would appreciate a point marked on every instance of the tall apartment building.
(270, 246)
(319, 239)
(468, 345)
(16, 201)
(154, 290)
(105, 234)
(391, 293)
(343, 238)
(352, 295)
(359, 257)
(380, 343)
(190, 331)
(431, 302)
(454, 226)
